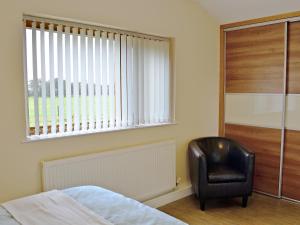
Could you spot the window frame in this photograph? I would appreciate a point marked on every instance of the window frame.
(29, 134)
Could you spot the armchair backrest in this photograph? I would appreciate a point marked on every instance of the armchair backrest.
(216, 149)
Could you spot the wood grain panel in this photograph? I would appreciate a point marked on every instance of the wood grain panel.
(255, 59)
(293, 75)
(291, 165)
(265, 143)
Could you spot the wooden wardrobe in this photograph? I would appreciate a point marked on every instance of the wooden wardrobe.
(260, 100)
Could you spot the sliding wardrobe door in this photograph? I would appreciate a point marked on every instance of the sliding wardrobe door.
(291, 165)
(254, 97)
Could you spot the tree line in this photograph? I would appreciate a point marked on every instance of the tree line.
(56, 81)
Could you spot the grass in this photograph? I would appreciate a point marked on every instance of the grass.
(48, 106)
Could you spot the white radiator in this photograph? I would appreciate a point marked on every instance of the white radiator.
(139, 172)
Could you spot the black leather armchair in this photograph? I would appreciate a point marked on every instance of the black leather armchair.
(220, 167)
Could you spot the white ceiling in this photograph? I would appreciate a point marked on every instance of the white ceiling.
(226, 11)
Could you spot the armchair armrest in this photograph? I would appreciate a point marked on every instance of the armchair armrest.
(198, 166)
(242, 159)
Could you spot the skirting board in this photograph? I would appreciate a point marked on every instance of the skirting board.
(187, 191)
(170, 197)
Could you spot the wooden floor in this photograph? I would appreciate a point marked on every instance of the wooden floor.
(261, 210)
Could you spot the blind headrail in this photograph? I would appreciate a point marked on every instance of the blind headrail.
(28, 19)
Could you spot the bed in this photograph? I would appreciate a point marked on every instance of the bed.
(114, 207)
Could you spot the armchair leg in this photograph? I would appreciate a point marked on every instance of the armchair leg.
(202, 204)
(245, 201)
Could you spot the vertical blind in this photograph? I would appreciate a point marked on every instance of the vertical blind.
(81, 79)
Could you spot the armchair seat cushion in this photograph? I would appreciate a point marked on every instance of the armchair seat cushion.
(224, 174)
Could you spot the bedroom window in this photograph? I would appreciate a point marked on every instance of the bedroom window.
(82, 78)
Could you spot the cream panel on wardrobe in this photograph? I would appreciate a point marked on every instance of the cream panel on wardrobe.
(292, 121)
(262, 110)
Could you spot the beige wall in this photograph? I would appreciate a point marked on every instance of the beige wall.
(196, 36)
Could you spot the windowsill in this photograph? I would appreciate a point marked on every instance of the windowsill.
(35, 138)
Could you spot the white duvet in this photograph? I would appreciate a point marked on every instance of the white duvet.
(52, 208)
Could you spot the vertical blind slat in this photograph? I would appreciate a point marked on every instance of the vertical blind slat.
(141, 80)
(68, 57)
(104, 79)
(60, 78)
(76, 79)
(43, 79)
(118, 80)
(52, 81)
(151, 80)
(26, 55)
(83, 78)
(167, 83)
(156, 81)
(146, 82)
(35, 80)
(129, 81)
(111, 69)
(91, 79)
(161, 82)
(98, 80)
(124, 80)
(135, 82)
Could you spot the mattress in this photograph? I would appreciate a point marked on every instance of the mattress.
(114, 207)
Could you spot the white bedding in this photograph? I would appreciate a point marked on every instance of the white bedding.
(52, 208)
(114, 207)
